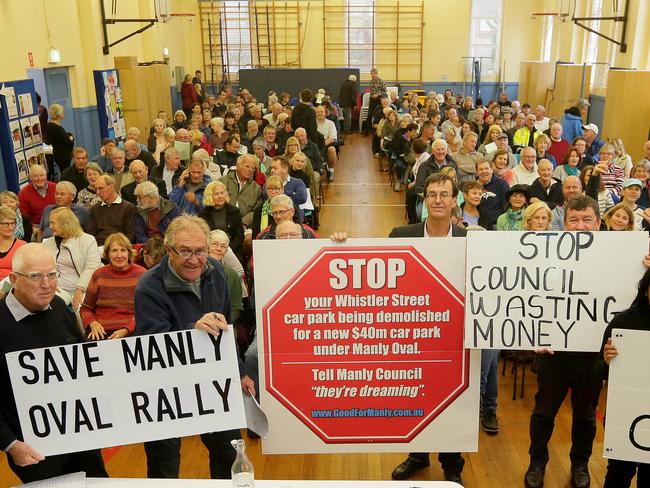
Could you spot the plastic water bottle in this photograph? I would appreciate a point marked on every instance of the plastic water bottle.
(243, 474)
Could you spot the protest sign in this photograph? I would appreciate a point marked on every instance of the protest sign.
(557, 290)
(361, 346)
(100, 394)
(627, 428)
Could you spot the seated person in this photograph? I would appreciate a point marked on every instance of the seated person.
(219, 214)
(23, 228)
(139, 171)
(569, 166)
(541, 147)
(36, 195)
(262, 216)
(87, 197)
(244, 193)
(282, 209)
(9, 243)
(641, 171)
(170, 171)
(107, 311)
(619, 218)
(112, 215)
(188, 192)
(75, 253)
(63, 196)
(227, 158)
(500, 165)
(472, 192)
(518, 197)
(493, 201)
(526, 171)
(293, 187)
(119, 171)
(133, 151)
(546, 188)
(219, 245)
(153, 251)
(154, 213)
(537, 216)
(327, 128)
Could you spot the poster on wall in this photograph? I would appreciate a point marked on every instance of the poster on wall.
(16, 134)
(26, 105)
(23, 169)
(26, 127)
(361, 346)
(10, 100)
(36, 129)
(110, 104)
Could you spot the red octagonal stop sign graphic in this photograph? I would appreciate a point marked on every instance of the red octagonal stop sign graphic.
(365, 344)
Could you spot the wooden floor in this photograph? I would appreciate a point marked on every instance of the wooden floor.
(361, 203)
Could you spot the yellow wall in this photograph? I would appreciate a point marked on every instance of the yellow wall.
(74, 27)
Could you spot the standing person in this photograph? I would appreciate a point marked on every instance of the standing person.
(440, 198)
(187, 290)
(189, 96)
(637, 317)
(303, 115)
(33, 317)
(42, 116)
(348, 100)
(561, 372)
(377, 87)
(572, 119)
(61, 140)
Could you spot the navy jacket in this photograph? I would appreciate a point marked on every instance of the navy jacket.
(493, 202)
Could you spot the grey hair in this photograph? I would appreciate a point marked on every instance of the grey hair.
(220, 236)
(29, 249)
(68, 186)
(282, 199)
(146, 189)
(186, 222)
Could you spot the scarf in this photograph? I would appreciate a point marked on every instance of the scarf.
(514, 219)
(571, 171)
(266, 211)
(19, 233)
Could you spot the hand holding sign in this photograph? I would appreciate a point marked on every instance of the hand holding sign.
(213, 323)
(610, 351)
(23, 455)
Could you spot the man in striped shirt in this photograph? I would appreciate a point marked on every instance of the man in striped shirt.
(611, 174)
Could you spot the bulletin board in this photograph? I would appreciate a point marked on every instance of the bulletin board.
(110, 104)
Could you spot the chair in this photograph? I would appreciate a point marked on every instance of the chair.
(518, 358)
(365, 104)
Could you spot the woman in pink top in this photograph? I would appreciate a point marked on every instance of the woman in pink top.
(500, 166)
(8, 242)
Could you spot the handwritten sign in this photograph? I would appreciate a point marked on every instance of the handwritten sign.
(627, 427)
(558, 290)
(100, 394)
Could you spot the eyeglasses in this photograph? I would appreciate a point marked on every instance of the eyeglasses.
(8, 224)
(435, 196)
(188, 253)
(278, 213)
(38, 277)
(290, 235)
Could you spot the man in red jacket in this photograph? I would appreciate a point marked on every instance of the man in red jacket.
(37, 195)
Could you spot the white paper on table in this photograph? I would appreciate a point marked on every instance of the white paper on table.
(73, 480)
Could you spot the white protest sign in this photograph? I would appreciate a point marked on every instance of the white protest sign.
(627, 426)
(100, 394)
(361, 346)
(558, 290)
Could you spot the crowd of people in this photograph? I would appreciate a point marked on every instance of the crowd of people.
(126, 242)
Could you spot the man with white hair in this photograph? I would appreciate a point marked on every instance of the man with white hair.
(272, 117)
(140, 172)
(111, 215)
(171, 170)
(154, 213)
(64, 195)
(119, 170)
(38, 194)
(541, 120)
(34, 317)
(439, 160)
(134, 151)
(244, 193)
(347, 100)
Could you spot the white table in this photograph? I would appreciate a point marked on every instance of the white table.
(166, 483)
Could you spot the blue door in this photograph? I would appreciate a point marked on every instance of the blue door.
(57, 86)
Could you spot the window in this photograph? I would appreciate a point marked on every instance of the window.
(359, 33)
(236, 36)
(547, 37)
(592, 39)
(485, 33)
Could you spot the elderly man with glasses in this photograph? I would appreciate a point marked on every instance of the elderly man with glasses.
(34, 317)
(187, 290)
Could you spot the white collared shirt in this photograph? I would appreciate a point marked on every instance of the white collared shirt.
(117, 201)
(426, 233)
(17, 309)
